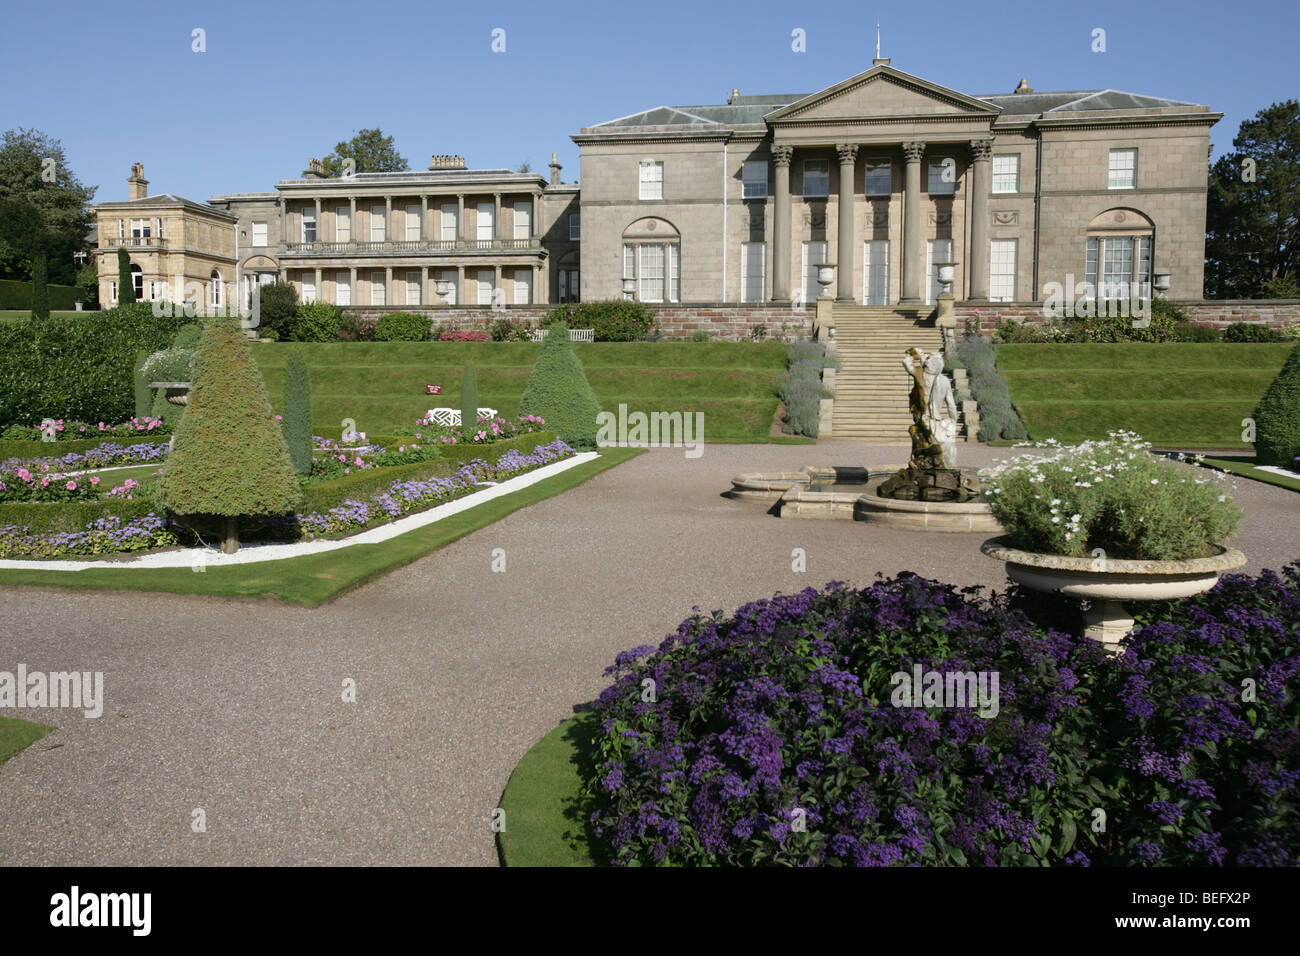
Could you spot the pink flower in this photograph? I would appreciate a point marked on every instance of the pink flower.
(71, 486)
(94, 481)
(45, 482)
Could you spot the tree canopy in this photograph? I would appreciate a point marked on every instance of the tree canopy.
(1252, 243)
(371, 150)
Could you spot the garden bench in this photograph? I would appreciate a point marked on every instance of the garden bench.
(451, 416)
(575, 335)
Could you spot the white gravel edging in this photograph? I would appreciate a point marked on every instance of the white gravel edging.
(199, 558)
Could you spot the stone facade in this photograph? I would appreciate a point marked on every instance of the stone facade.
(1218, 314)
(1010, 187)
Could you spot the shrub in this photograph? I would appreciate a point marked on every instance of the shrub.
(78, 367)
(356, 329)
(801, 388)
(125, 287)
(297, 414)
(469, 403)
(1291, 331)
(998, 418)
(1166, 309)
(277, 304)
(1113, 495)
(402, 327)
(558, 391)
(88, 287)
(1251, 332)
(318, 322)
(758, 333)
(507, 330)
(801, 703)
(614, 320)
(1277, 416)
(170, 414)
(169, 365)
(462, 335)
(40, 293)
(229, 456)
(1191, 332)
(16, 294)
(699, 335)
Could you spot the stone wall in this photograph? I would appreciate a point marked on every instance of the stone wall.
(1218, 314)
(723, 322)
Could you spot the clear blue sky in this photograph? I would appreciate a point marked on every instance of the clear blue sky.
(282, 82)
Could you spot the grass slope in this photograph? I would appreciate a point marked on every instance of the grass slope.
(546, 815)
(1245, 467)
(1173, 394)
(17, 735)
(381, 384)
(314, 579)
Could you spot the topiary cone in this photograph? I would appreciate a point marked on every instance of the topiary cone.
(228, 455)
(1277, 417)
(558, 391)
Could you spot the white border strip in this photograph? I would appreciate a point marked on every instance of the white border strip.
(198, 558)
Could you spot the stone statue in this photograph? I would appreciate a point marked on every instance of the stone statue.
(932, 474)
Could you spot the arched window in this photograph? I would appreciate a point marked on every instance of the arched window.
(652, 261)
(137, 282)
(214, 289)
(1120, 246)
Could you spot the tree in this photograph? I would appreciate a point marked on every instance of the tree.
(228, 458)
(277, 309)
(125, 284)
(1277, 417)
(35, 170)
(525, 167)
(40, 292)
(1252, 244)
(297, 413)
(558, 391)
(371, 150)
(469, 403)
(88, 287)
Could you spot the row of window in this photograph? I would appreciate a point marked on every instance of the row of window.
(878, 176)
(411, 287)
(448, 231)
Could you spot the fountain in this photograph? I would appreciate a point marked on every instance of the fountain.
(929, 493)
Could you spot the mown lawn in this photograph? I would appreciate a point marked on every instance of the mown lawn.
(1173, 394)
(15, 735)
(381, 385)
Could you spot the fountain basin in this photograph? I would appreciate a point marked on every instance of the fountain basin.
(850, 494)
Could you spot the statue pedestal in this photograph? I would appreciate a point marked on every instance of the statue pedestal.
(947, 318)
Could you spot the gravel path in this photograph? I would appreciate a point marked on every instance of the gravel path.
(235, 706)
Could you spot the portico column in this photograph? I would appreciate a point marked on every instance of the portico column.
(978, 253)
(320, 289)
(388, 223)
(388, 286)
(781, 156)
(496, 218)
(460, 219)
(354, 294)
(913, 250)
(848, 154)
(352, 228)
(424, 218)
(320, 226)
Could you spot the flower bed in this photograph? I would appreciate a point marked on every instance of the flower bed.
(102, 536)
(106, 455)
(82, 431)
(405, 496)
(1112, 495)
(779, 735)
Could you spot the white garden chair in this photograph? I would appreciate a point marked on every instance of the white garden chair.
(451, 416)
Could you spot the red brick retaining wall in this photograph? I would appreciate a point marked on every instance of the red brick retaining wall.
(725, 322)
(1216, 313)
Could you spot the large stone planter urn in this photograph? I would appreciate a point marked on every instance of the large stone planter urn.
(178, 393)
(1107, 582)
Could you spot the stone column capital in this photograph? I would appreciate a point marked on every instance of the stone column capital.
(782, 154)
(913, 151)
(847, 152)
(981, 150)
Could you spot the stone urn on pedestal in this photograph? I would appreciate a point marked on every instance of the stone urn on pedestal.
(178, 393)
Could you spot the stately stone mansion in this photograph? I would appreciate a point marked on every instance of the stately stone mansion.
(884, 176)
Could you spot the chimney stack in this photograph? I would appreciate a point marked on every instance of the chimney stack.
(735, 95)
(555, 171)
(1023, 87)
(315, 170)
(137, 186)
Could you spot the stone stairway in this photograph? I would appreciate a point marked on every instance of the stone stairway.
(871, 389)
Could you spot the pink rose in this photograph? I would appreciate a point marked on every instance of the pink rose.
(94, 481)
(71, 486)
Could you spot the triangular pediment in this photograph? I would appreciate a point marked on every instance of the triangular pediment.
(880, 92)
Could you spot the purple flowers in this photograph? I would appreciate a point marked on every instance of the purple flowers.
(771, 737)
(103, 536)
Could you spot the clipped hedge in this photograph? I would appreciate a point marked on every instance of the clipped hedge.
(998, 417)
(16, 294)
(57, 449)
(67, 516)
(330, 494)
(402, 327)
(558, 392)
(77, 367)
(1277, 417)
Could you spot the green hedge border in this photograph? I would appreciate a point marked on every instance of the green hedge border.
(17, 294)
(65, 516)
(20, 448)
